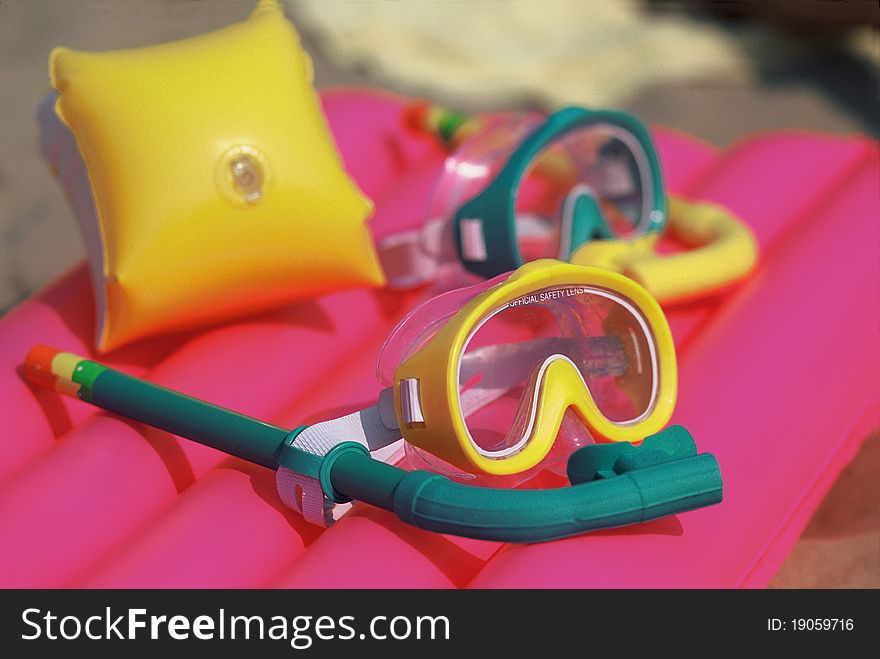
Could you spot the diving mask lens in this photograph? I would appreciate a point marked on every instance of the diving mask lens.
(504, 360)
(594, 173)
(422, 323)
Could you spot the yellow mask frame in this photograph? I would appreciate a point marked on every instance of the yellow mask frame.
(440, 429)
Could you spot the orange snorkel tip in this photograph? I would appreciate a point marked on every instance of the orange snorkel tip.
(37, 367)
(53, 368)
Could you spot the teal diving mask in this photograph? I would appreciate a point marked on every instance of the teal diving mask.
(526, 186)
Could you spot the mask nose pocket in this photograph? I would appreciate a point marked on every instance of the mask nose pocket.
(581, 220)
(573, 434)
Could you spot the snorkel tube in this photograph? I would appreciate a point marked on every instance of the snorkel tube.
(612, 484)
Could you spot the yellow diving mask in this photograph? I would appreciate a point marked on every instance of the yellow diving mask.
(487, 377)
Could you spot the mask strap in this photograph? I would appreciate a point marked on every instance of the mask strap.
(412, 258)
(374, 427)
(531, 225)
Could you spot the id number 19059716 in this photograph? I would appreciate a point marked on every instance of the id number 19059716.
(810, 624)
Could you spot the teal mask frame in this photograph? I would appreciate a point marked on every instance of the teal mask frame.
(494, 208)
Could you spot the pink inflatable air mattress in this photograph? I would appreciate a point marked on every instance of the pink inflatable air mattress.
(779, 378)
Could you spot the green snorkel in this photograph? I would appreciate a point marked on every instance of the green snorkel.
(518, 187)
(611, 485)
